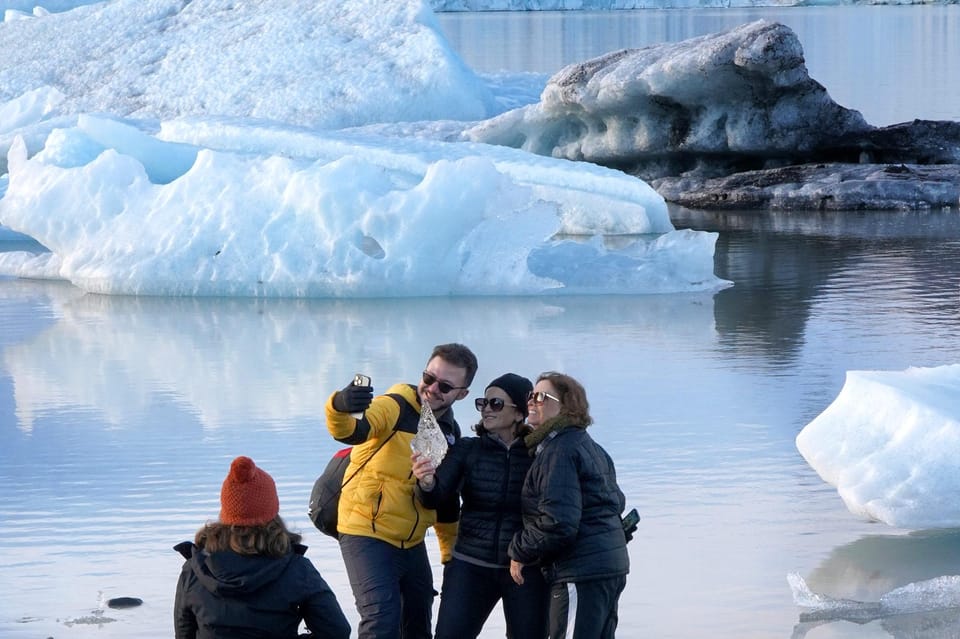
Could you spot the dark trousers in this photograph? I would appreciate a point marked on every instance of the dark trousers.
(470, 592)
(585, 610)
(392, 588)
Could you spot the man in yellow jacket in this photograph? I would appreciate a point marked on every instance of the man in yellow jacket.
(380, 521)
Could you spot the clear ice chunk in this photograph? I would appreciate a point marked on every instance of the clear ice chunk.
(429, 440)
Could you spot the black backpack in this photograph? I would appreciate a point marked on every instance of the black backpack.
(325, 496)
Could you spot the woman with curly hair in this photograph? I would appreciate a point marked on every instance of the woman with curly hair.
(246, 575)
(571, 514)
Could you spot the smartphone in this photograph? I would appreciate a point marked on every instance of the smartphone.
(631, 519)
(360, 380)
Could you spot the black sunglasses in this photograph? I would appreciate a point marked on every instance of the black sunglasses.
(539, 397)
(496, 404)
(445, 387)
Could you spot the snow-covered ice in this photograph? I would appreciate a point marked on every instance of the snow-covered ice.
(889, 444)
(217, 148)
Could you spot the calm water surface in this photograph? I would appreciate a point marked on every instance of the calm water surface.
(119, 417)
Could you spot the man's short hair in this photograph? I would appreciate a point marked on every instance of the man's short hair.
(458, 355)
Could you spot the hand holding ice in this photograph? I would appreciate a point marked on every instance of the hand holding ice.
(429, 440)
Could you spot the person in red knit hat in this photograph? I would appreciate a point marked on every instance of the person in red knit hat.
(245, 575)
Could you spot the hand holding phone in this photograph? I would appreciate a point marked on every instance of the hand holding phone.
(362, 381)
(355, 396)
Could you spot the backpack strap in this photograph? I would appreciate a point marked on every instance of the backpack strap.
(367, 460)
(403, 419)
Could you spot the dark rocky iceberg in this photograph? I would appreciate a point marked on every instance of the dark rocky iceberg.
(733, 120)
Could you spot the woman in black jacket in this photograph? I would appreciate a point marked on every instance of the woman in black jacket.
(488, 472)
(246, 575)
(571, 514)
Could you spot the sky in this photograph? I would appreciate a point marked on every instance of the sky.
(213, 149)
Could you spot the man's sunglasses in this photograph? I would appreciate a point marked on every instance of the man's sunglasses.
(496, 404)
(539, 397)
(445, 387)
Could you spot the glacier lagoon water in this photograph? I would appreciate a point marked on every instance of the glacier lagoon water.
(120, 415)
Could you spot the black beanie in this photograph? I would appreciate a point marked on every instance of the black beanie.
(516, 387)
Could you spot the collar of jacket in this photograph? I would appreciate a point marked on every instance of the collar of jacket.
(188, 548)
(552, 425)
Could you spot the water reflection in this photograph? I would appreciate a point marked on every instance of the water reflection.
(27, 308)
(785, 263)
(119, 413)
(873, 565)
(274, 361)
(940, 624)
(876, 564)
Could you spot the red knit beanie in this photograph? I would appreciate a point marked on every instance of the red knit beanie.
(249, 496)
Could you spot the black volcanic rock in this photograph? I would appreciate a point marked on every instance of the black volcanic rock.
(821, 187)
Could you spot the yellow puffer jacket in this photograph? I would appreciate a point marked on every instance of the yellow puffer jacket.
(380, 502)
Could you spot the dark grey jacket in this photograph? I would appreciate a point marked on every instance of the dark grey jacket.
(227, 595)
(489, 478)
(571, 509)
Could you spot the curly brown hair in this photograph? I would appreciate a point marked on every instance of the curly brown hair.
(272, 539)
(573, 397)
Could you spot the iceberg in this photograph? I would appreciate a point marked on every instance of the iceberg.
(888, 444)
(303, 150)
(317, 214)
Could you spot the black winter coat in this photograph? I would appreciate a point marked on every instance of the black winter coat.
(489, 478)
(225, 595)
(571, 510)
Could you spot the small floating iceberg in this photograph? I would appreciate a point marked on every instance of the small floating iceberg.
(889, 443)
(938, 593)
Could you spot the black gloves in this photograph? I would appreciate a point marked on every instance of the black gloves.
(353, 399)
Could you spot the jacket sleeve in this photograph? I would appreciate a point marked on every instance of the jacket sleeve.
(559, 507)
(378, 420)
(320, 610)
(184, 621)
